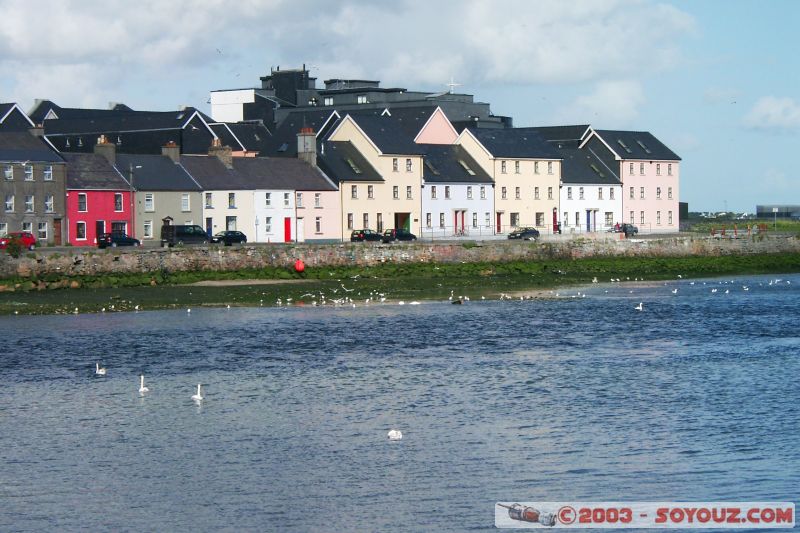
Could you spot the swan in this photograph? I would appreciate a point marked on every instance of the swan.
(639, 307)
(142, 388)
(674, 291)
(395, 434)
(98, 370)
(199, 396)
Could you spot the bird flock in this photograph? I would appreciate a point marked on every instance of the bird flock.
(101, 371)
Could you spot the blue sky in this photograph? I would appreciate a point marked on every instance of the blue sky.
(717, 81)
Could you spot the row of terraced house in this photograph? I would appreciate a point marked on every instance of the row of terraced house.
(290, 162)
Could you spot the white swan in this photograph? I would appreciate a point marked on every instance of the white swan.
(639, 307)
(395, 434)
(674, 291)
(142, 388)
(98, 370)
(199, 396)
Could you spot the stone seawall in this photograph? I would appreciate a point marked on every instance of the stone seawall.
(90, 262)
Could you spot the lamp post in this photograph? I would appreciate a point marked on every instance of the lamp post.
(775, 219)
(133, 207)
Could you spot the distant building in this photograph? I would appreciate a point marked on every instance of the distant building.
(783, 211)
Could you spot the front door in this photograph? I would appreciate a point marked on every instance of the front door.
(287, 229)
(99, 229)
(209, 226)
(588, 220)
(57, 232)
(499, 222)
(300, 230)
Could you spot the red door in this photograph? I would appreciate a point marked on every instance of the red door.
(287, 229)
(499, 225)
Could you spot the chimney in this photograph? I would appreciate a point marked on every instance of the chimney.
(37, 131)
(106, 148)
(307, 146)
(223, 153)
(172, 150)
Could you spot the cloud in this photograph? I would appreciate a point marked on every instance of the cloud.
(720, 95)
(610, 104)
(772, 113)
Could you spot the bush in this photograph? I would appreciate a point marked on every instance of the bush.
(14, 247)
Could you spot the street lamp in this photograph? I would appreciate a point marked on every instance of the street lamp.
(775, 217)
(133, 212)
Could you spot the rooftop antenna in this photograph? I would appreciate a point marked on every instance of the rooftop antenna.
(452, 85)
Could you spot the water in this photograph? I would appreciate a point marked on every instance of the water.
(694, 398)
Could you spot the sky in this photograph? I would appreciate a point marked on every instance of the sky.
(714, 80)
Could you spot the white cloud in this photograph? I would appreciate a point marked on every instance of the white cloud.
(772, 113)
(612, 104)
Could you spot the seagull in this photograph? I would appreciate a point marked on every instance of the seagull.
(98, 370)
(395, 434)
(142, 388)
(639, 307)
(674, 291)
(199, 396)
(713, 290)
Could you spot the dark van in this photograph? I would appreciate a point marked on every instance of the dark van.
(178, 234)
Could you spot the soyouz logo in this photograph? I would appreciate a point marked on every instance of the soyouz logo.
(680, 515)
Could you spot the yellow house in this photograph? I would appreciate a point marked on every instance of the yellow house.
(527, 174)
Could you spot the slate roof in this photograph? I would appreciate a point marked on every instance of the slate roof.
(156, 173)
(22, 146)
(637, 145)
(43, 107)
(250, 173)
(284, 141)
(442, 165)
(119, 121)
(514, 143)
(93, 172)
(560, 133)
(333, 160)
(5, 108)
(389, 139)
(582, 166)
(250, 136)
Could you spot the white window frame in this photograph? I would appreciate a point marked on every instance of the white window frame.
(49, 203)
(317, 199)
(569, 193)
(483, 192)
(83, 196)
(149, 202)
(30, 203)
(148, 229)
(550, 167)
(9, 203)
(409, 193)
(428, 220)
(8, 172)
(286, 200)
(41, 235)
(536, 193)
(299, 200)
(396, 192)
(47, 173)
(185, 203)
(78, 231)
(549, 193)
(370, 192)
(469, 192)
(118, 196)
(209, 197)
(446, 192)
(317, 225)
(409, 165)
(433, 192)
(354, 192)
(268, 224)
(268, 199)
(28, 172)
(441, 220)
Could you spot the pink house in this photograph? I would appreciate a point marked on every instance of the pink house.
(98, 196)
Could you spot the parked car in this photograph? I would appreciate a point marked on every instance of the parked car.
(179, 234)
(115, 239)
(360, 235)
(629, 229)
(26, 238)
(229, 237)
(398, 235)
(526, 234)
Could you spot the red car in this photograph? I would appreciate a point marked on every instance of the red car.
(25, 237)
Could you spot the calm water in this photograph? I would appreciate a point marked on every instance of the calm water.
(695, 398)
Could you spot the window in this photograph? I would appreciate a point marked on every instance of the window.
(148, 229)
(658, 193)
(469, 192)
(483, 193)
(632, 218)
(549, 167)
(9, 203)
(231, 200)
(361, 99)
(349, 220)
(149, 202)
(354, 191)
(408, 192)
(396, 192)
(395, 165)
(41, 232)
(317, 199)
(80, 231)
(669, 217)
(569, 193)
(441, 220)
(268, 224)
(658, 218)
(669, 169)
(8, 172)
(3, 229)
(503, 193)
(446, 192)
(503, 167)
(631, 169)
(185, 202)
(536, 193)
(48, 173)
(516, 167)
(409, 168)
(540, 219)
(474, 220)
(641, 217)
(268, 199)
(536, 167)
(577, 219)
(286, 201)
(48, 203)
(209, 205)
(514, 220)
(641, 169)
(82, 202)
(566, 218)
(669, 193)
(428, 220)
(370, 191)
(632, 196)
(318, 225)
(117, 202)
(641, 193)
(27, 226)
(299, 199)
(28, 172)
(599, 193)
(433, 192)
(549, 193)
(488, 220)
(380, 222)
(118, 227)
(611, 193)
(365, 219)
(517, 193)
(230, 223)
(328, 100)
(580, 193)
(609, 218)
(658, 169)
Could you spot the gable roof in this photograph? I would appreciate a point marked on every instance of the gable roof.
(6, 110)
(253, 136)
(514, 143)
(24, 147)
(284, 141)
(581, 166)
(93, 171)
(156, 173)
(640, 145)
(119, 121)
(449, 163)
(387, 135)
(249, 173)
(561, 133)
(341, 161)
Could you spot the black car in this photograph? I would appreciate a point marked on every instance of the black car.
(116, 239)
(629, 229)
(526, 234)
(360, 235)
(229, 237)
(398, 235)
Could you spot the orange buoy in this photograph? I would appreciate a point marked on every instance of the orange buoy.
(299, 266)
